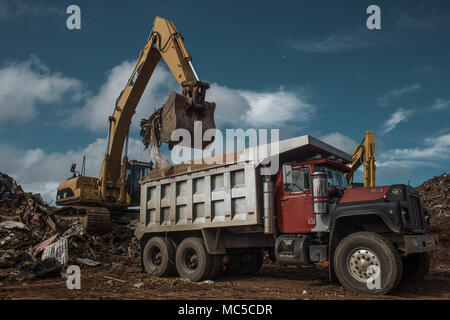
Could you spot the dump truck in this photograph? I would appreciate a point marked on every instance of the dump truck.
(204, 218)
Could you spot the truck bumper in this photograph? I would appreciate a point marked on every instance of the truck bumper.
(421, 243)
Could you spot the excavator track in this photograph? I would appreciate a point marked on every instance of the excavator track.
(94, 219)
(97, 219)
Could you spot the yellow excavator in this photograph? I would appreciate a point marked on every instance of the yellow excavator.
(364, 154)
(117, 187)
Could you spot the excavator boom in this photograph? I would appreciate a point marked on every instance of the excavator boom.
(180, 112)
(364, 154)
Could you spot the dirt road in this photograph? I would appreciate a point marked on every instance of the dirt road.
(272, 282)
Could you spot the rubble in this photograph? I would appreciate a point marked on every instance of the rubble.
(36, 240)
(46, 268)
(88, 262)
(435, 194)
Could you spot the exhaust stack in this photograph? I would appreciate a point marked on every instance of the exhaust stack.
(320, 192)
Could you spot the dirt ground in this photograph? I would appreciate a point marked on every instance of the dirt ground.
(119, 279)
(272, 282)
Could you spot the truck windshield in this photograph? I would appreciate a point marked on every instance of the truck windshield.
(335, 177)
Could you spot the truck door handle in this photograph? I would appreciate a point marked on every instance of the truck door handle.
(285, 199)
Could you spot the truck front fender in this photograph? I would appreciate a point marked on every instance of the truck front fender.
(343, 223)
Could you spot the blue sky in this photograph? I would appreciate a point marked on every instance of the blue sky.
(306, 67)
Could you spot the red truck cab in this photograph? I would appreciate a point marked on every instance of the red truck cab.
(294, 202)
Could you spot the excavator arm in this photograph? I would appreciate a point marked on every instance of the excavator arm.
(164, 42)
(364, 154)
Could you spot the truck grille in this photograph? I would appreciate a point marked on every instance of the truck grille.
(416, 214)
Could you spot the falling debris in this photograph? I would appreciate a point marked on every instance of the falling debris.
(150, 132)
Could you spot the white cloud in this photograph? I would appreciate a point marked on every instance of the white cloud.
(10, 9)
(28, 85)
(25, 85)
(95, 112)
(440, 104)
(41, 172)
(435, 149)
(340, 141)
(338, 42)
(246, 108)
(423, 21)
(397, 117)
(386, 99)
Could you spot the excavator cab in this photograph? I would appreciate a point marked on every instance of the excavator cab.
(136, 170)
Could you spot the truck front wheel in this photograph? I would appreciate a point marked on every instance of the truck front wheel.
(416, 267)
(192, 260)
(367, 262)
(158, 256)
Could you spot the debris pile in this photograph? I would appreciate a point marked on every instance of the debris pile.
(435, 194)
(35, 240)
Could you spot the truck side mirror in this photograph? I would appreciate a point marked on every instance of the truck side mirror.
(287, 174)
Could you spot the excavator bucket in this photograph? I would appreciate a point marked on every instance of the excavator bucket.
(178, 113)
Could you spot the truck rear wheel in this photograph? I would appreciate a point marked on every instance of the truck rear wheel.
(259, 261)
(245, 263)
(158, 256)
(416, 267)
(192, 260)
(217, 266)
(367, 262)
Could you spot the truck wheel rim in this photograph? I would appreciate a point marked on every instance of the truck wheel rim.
(191, 259)
(155, 256)
(362, 264)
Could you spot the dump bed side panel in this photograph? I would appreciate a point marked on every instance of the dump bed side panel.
(217, 197)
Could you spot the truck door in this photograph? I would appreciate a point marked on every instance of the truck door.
(295, 203)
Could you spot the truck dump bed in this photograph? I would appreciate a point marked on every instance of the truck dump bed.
(196, 196)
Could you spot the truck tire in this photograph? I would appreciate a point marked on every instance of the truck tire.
(217, 266)
(259, 261)
(158, 256)
(245, 263)
(234, 265)
(174, 272)
(415, 267)
(359, 255)
(192, 260)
